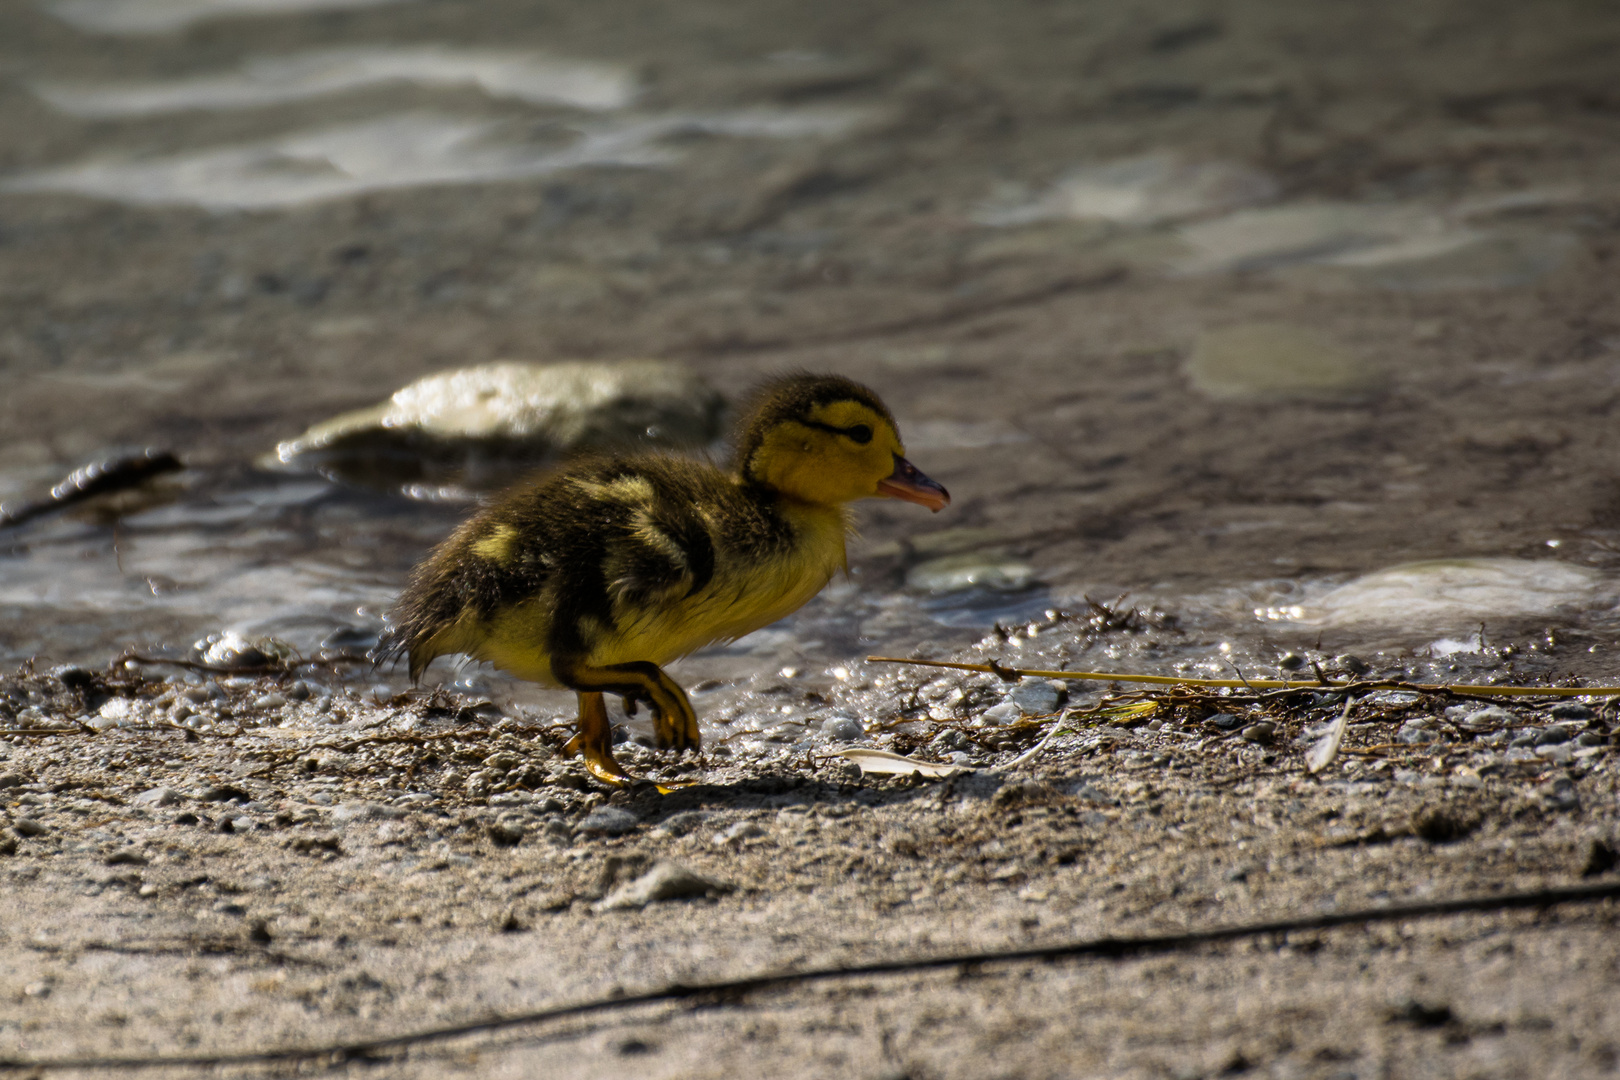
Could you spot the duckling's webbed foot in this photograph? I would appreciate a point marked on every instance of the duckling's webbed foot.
(675, 724)
(594, 742)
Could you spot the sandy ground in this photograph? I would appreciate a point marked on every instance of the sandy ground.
(266, 872)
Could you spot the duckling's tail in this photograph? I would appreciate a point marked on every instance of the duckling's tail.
(392, 644)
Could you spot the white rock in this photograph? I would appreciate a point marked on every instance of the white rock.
(476, 427)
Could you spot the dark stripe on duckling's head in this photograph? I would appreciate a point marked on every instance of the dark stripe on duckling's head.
(797, 397)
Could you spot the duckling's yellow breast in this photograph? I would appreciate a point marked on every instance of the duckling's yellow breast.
(747, 592)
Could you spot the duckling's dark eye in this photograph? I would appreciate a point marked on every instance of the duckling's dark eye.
(860, 433)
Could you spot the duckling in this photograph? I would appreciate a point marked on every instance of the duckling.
(594, 576)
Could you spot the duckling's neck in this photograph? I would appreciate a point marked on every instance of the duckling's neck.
(819, 529)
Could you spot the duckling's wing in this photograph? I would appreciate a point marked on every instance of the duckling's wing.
(665, 555)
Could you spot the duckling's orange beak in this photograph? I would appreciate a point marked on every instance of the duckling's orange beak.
(907, 482)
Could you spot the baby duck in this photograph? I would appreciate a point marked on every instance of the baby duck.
(595, 575)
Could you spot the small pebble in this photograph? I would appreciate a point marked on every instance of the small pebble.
(1226, 721)
(126, 857)
(269, 701)
(1291, 661)
(997, 715)
(1262, 733)
(1355, 665)
(1590, 738)
(1416, 732)
(842, 728)
(10, 780)
(507, 832)
(1489, 718)
(1035, 697)
(299, 691)
(158, 796)
(28, 827)
(608, 821)
(1554, 734)
(1570, 710)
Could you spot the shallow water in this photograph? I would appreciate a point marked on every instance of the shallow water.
(1306, 371)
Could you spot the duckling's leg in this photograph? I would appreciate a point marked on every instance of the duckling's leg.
(594, 741)
(674, 722)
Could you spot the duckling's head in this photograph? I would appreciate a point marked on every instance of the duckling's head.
(825, 439)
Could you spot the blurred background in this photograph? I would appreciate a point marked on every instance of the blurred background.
(1293, 320)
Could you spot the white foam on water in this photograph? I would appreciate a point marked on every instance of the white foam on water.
(1147, 190)
(406, 150)
(167, 16)
(276, 80)
(1453, 647)
(1459, 594)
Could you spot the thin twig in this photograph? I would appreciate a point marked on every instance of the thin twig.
(729, 991)
(1002, 672)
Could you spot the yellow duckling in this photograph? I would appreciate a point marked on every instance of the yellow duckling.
(596, 574)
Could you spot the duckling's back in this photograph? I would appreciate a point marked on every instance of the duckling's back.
(615, 560)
